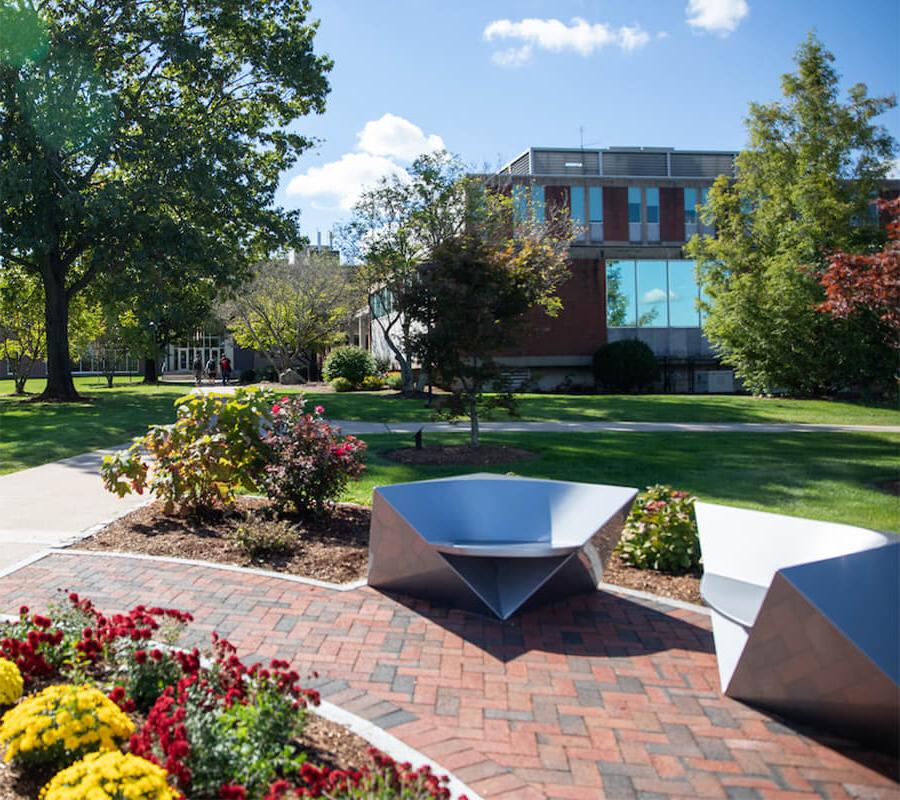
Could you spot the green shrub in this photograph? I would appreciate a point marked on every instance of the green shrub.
(259, 537)
(372, 383)
(661, 531)
(352, 363)
(394, 381)
(213, 449)
(311, 463)
(625, 366)
(248, 376)
(341, 385)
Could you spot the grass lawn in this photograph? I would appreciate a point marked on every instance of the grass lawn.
(385, 407)
(829, 476)
(35, 433)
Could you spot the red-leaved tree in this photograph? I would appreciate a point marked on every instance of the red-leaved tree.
(860, 284)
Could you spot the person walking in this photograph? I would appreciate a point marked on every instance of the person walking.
(225, 369)
(198, 369)
(211, 369)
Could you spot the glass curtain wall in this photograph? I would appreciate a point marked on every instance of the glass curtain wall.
(652, 294)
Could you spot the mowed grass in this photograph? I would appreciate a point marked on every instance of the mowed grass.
(35, 433)
(827, 476)
(388, 407)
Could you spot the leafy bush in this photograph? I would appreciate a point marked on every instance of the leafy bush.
(372, 383)
(227, 725)
(61, 724)
(311, 463)
(394, 381)
(269, 374)
(341, 385)
(213, 449)
(661, 531)
(352, 363)
(248, 376)
(259, 537)
(110, 776)
(382, 365)
(147, 674)
(625, 366)
(11, 683)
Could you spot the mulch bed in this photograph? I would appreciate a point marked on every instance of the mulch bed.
(333, 549)
(460, 454)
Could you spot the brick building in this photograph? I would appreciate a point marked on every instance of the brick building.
(630, 280)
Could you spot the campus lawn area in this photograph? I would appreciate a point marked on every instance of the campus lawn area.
(35, 433)
(828, 476)
(387, 407)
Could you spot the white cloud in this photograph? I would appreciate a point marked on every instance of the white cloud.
(338, 184)
(578, 36)
(716, 16)
(396, 137)
(655, 296)
(381, 146)
(894, 170)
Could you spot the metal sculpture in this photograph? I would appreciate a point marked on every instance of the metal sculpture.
(806, 618)
(491, 543)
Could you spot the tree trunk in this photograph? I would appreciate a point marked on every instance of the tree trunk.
(60, 386)
(150, 374)
(109, 379)
(473, 419)
(20, 384)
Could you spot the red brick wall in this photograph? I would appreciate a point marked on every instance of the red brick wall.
(615, 213)
(556, 198)
(671, 214)
(580, 328)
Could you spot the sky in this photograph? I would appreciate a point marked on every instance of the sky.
(487, 80)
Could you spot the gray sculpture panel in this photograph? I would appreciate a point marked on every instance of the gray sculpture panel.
(818, 641)
(490, 543)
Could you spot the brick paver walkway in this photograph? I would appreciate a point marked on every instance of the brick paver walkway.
(601, 696)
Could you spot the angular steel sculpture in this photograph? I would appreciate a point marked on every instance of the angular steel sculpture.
(806, 618)
(490, 543)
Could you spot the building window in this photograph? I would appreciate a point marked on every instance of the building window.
(634, 214)
(651, 294)
(382, 303)
(683, 294)
(595, 209)
(653, 214)
(537, 202)
(520, 202)
(621, 300)
(576, 203)
(690, 205)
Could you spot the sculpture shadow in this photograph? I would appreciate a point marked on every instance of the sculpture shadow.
(597, 624)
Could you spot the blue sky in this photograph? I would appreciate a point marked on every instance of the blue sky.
(489, 79)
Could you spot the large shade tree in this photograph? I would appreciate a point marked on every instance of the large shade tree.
(801, 191)
(132, 129)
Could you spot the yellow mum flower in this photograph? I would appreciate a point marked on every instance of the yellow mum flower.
(11, 683)
(109, 776)
(62, 723)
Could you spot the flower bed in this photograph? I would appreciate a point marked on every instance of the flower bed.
(106, 713)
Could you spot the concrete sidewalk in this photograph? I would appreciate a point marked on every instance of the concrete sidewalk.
(55, 504)
(360, 428)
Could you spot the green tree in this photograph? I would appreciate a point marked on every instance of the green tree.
(473, 296)
(23, 338)
(291, 312)
(396, 227)
(132, 129)
(801, 188)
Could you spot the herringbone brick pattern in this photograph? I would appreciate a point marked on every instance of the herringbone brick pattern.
(599, 696)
